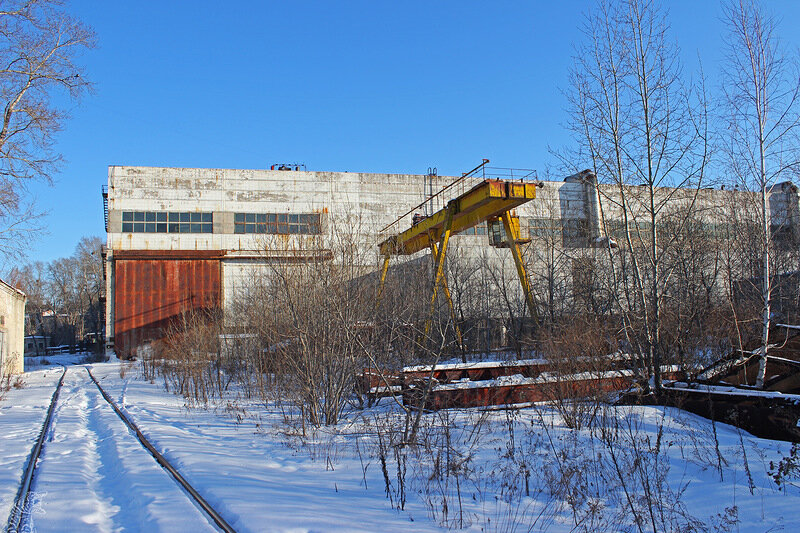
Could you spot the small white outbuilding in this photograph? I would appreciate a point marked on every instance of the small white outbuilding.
(12, 329)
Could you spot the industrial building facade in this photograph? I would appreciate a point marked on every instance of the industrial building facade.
(181, 239)
(12, 329)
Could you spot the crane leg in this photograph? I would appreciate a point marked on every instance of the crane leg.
(439, 265)
(446, 291)
(383, 280)
(512, 234)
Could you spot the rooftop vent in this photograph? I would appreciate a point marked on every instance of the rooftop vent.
(288, 166)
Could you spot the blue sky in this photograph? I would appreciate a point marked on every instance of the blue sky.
(367, 86)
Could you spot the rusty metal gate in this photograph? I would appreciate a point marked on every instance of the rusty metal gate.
(153, 288)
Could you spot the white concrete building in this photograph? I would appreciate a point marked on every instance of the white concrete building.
(12, 329)
(184, 238)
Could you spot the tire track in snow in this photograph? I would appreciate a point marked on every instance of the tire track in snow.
(196, 497)
(108, 451)
(69, 464)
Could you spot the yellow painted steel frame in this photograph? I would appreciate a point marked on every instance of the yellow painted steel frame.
(512, 236)
(443, 280)
(490, 198)
(383, 279)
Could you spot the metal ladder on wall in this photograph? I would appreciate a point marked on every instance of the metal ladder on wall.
(104, 192)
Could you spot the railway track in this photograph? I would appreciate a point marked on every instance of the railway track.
(18, 517)
(21, 501)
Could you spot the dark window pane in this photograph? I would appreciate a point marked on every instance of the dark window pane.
(127, 227)
(293, 219)
(272, 217)
(272, 228)
(283, 229)
(149, 216)
(208, 217)
(250, 228)
(282, 217)
(261, 228)
(174, 217)
(208, 227)
(127, 216)
(161, 217)
(184, 227)
(161, 227)
(250, 217)
(150, 227)
(138, 227)
(174, 228)
(196, 217)
(302, 228)
(197, 228)
(238, 217)
(261, 218)
(185, 217)
(293, 228)
(138, 216)
(238, 228)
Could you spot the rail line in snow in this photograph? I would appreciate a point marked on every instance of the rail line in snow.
(16, 521)
(21, 501)
(201, 502)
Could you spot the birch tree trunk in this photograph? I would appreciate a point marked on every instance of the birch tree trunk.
(762, 88)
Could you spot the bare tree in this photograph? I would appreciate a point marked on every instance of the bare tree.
(762, 89)
(89, 264)
(645, 132)
(64, 295)
(39, 49)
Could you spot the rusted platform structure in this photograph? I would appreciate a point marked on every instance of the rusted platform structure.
(493, 383)
(513, 382)
(516, 391)
(482, 371)
(725, 391)
(766, 414)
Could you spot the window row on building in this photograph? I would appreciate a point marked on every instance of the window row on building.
(277, 223)
(167, 222)
(641, 229)
(479, 229)
(568, 228)
(203, 222)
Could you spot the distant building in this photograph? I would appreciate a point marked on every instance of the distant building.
(36, 345)
(186, 238)
(12, 329)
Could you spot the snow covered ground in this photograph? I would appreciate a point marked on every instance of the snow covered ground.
(475, 470)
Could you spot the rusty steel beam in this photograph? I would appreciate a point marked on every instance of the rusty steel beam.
(168, 254)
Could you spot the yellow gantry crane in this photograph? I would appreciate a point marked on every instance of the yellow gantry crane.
(490, 201)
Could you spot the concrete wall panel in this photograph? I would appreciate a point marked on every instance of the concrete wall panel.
(12, 330)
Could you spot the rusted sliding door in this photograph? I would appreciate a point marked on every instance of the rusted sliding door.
(153, 288)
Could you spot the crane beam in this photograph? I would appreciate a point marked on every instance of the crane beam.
(490, 198)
